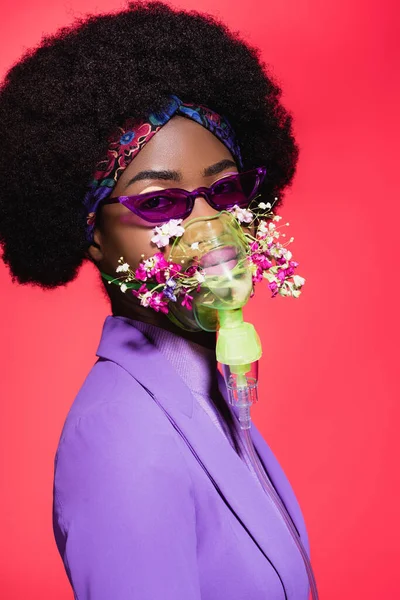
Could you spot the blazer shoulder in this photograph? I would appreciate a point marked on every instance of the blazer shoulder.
(110, 392)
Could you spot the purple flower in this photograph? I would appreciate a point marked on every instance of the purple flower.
(171, 283)
(168, 293)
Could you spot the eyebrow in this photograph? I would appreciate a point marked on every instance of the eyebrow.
(177, 176)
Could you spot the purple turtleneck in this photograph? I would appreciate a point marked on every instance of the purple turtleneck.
(197, 367)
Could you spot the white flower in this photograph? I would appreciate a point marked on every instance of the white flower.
(123, 287)
(286, 253)
(276, 251)
(276, 218)
(242, 214)
(122, 268)
(199, 276)
(296, 293)
(264, 206)
(149, 263)
(253, 268)
(160, 239)
(175, 227)
(262, 228)
(171, 229)
(195, 246)
(283, 291)
(145, 299)
(270, 276)
(298, 281)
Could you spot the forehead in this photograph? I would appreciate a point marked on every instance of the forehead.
(181, 144)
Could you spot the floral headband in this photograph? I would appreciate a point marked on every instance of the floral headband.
(126, 141)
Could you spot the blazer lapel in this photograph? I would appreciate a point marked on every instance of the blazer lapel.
(122, 343)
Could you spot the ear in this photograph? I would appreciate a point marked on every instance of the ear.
(95, 252)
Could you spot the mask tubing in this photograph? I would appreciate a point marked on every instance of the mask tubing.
(270, 491)
(242, 393)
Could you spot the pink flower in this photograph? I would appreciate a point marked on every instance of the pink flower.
(261, 260)
(187, 301)
(273, 286)
(174, 268)
(142, 290)
(289, 272)
(281, 275)
(254, 246)
(258, 275)
(160, 262)
(140, 273)
(158, 303)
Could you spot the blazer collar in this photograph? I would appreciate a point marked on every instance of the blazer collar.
(123, 344)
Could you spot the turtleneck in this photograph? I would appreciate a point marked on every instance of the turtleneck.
(197, 366)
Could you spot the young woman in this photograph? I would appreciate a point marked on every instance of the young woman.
(155, 496)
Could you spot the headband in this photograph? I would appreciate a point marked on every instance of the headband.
(126, 141)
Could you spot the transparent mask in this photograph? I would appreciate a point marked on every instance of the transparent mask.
(218, 246)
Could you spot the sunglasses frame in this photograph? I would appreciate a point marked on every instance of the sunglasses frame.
(190, 197)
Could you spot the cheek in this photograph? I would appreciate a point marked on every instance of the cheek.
(130, 242)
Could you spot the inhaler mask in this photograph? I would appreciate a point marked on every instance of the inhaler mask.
(217, 246)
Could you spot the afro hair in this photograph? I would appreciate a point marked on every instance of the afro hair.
(61, 100)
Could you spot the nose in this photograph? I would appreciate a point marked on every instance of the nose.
(201, 208)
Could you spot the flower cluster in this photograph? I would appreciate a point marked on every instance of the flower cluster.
(269, 259)
(159, 281)
(156, 281)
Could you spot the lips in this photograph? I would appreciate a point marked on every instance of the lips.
(219, 261)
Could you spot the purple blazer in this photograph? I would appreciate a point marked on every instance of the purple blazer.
(152, 503)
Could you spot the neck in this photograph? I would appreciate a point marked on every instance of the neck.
(126, 306)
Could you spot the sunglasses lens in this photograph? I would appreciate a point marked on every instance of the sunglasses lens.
(237, 189)
(159, 208)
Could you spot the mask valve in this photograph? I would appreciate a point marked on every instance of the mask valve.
(238, 350)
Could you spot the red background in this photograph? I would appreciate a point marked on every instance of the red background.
(328, 405)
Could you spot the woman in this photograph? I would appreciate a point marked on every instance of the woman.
(154, 493)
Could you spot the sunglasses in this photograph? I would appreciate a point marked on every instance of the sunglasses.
(174, 203)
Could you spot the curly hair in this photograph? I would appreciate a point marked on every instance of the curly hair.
(60, 101)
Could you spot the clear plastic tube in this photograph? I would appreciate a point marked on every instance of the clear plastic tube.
(243, 395)
(270, 491)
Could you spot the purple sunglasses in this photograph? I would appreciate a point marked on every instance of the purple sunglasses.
(174, 203)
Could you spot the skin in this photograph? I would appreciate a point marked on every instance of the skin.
(184, 146)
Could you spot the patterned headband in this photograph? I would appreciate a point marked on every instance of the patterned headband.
(129, 139)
